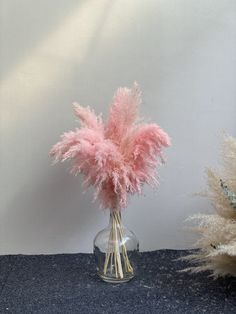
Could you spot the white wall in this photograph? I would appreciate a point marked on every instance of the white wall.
(182, 53)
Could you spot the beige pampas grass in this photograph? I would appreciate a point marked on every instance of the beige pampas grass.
(217, 232)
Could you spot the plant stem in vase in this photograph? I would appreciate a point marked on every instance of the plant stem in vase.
(116, 251)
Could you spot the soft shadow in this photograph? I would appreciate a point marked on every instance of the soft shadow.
(50, 215)
(31, 24)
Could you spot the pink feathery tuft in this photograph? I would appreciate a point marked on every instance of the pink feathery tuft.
(118, 158)
(123, 112)
(144, 150)
(87, 117)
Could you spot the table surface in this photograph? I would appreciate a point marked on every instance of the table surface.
(67, 283)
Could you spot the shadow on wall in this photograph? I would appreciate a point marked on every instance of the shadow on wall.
(32, 23)
(50, 212)
(49, 63)
(50, 209)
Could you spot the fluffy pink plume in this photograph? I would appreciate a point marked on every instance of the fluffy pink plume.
(116, 157)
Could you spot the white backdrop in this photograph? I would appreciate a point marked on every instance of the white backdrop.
(183, 55)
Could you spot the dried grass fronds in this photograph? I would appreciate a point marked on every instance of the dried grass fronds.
(116, 157)
(217, 232)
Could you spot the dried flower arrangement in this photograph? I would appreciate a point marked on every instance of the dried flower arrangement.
(217, 242)
(116, 158)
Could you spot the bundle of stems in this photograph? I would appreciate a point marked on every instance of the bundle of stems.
(116, 262)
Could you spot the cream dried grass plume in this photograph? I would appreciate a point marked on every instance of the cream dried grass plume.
(217, 241)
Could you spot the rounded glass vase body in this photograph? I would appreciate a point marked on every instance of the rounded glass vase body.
(116, 251)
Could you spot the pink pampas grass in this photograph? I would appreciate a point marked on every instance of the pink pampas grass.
(116, 157)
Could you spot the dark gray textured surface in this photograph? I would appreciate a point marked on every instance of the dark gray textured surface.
(67, 283)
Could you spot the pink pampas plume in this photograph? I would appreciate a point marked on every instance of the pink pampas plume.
(116, 157)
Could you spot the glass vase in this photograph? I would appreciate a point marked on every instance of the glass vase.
(116, 251)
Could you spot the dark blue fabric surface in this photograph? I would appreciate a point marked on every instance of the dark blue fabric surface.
(67, 283)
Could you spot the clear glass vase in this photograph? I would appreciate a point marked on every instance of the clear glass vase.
(116, 251)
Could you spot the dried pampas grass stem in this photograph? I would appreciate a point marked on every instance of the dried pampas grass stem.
(118, 261)
(217, 231)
